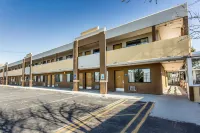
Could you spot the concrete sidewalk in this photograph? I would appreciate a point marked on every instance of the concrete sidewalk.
(176, 108)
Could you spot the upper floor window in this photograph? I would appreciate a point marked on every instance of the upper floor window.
(87, 52)
(69, 56)
(44, 62)
(95, 51)
(117, 46)
(137, 42)
(139, 75)
(60, 58)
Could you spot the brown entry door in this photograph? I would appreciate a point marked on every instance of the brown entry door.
(81, 80)
(88, 80)
(119, 80)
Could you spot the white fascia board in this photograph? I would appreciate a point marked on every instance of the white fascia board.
(54, 51)
(15, 63)
(151, 20)
(47, 53)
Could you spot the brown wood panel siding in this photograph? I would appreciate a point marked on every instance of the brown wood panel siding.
(154, 87)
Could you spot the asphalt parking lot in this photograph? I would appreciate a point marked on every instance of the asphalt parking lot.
(40, 111)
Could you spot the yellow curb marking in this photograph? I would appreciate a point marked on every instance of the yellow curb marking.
(143, 120)
(95, 116)
(88, 116)
(134, 118)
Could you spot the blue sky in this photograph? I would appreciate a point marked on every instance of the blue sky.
(39, 25)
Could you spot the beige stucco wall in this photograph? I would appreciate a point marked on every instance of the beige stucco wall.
(15, 72)
(197, 94)
(58, 66)
(165, 48)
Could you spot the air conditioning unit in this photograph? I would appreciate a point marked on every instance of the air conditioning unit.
(132, 88)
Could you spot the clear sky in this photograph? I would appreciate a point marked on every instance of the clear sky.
(39, 25)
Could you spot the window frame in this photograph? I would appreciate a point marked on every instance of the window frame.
(136, 43)
(95, 77)
(143, 77)
(57, 75)
(71, 78)
(116, 45)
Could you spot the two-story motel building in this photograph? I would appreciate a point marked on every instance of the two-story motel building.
(134, 57)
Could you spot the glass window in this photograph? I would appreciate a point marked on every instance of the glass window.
(87, 52)
(44, 62)
(61, 77)
(139, 75)
(137, 42)
(69, 57)
(95, 51)
(41, 77)
(196, 71)
(57, 77)
(69, 77)
(96, 77)
(117, 46)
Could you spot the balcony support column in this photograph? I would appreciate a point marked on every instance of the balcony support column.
(23, 71)
(103, 69)
(49, 81)
(185, 26)
(30, 74)
(6, 73)
(53, 80)
(153, 33)
(3, 81)
(75, 67)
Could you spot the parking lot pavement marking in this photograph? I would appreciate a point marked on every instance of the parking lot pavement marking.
(134, 118)
(71, 130)
(46, 103)
(143, 120)
(23, 98)
(88, 117)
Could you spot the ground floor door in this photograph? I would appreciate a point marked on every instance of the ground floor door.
(49, 80)
(88, 80)
(119, 80)
(81, 80)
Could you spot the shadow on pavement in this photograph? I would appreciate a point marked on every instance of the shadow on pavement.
(128, 117)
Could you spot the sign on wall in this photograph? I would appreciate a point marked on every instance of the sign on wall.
(102, 76)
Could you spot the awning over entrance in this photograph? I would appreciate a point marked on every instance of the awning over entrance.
(172, 66)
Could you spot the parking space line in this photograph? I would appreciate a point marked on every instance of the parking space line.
(134, 118)
(46, 103)
(95, 113)
(71, 130)
(143, 120)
